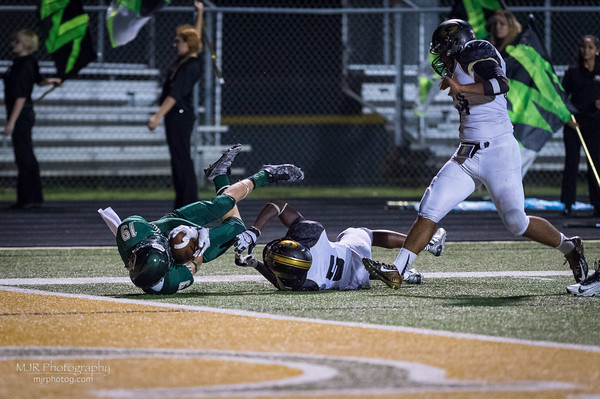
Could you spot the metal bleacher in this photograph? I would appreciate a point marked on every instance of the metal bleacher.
(96, 125)
(437, 128)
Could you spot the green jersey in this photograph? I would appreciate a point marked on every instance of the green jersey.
(135, 229)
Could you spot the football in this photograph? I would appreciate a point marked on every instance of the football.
(182, 250)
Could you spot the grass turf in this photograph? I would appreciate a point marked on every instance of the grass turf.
(535, 308)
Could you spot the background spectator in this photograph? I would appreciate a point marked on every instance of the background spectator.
(176, 106)
(18, 85)
(582, 85)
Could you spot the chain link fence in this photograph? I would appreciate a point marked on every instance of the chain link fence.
(330, 85)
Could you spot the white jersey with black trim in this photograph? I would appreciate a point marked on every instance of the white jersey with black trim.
(334, 267)
(481, 117)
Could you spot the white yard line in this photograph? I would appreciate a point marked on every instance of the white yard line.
(238, 312)
(258, 278)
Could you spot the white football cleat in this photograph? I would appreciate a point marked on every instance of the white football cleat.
(436, 244)
(589, 287)
(412, 276)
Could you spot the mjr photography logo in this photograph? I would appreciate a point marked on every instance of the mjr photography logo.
(63, 372)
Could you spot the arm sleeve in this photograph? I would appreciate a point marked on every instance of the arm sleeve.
(488, 69)
(483, 58)
(495, 81)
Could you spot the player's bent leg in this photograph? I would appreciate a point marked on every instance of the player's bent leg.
(284, 172)
(447, 189)
(206, 211)
(358, 239)
(576, 260)
(384, 272)
(234, 212)
(223, 164)
(240, 190)
(420, 234)
(540, 230)
(518, 223)
(388, 239)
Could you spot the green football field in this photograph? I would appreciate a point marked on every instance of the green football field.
(504, 289)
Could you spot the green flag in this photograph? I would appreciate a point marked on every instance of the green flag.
(125, 18)
(476, 12)
(535, 99)
(68, 39)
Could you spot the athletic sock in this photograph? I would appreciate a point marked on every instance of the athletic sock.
(404, 259)
(221, 183)
(566, 246)
(260, 178)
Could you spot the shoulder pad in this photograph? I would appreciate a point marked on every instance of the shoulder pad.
(477, 50)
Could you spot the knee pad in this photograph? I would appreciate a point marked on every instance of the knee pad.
(429, 206)
(515, 221)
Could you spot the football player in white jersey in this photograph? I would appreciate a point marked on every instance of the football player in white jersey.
(305, 259)
(488, 153)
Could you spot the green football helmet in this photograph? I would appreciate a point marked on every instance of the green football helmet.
(149, 261)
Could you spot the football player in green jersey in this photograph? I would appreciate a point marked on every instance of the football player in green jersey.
(144, 246)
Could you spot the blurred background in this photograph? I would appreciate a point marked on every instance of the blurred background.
(330, 85)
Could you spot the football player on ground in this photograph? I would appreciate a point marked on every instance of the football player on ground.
(488, 153)
(144, 246)
(305, 259)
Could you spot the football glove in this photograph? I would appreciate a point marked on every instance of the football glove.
(192, 233)
(245, 261)
(203, 241)
(246, 240)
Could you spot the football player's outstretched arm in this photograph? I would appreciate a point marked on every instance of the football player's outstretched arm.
(252, 261)
(268, 274)
(287, 214)
(247, 240)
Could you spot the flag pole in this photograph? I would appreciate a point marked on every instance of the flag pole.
(45, 94)
(587, 153)
(213, 56)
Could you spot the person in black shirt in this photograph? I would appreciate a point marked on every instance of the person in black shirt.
(582, 84)
(18, 85)
(177, 108)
